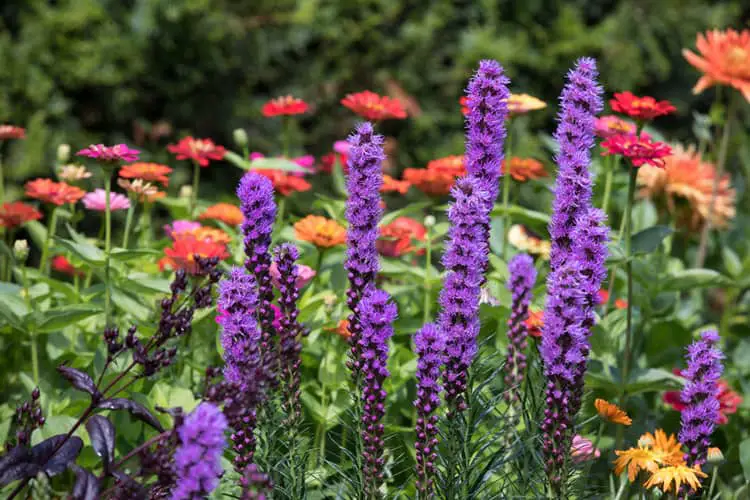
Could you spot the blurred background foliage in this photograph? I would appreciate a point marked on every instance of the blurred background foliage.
(141, 71)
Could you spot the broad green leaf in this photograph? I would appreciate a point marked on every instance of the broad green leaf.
(276, 164)
(127, 303)
(339, 179)
(527, 216)
(38, 232)
(124, 254)
(653, 379)
(58, 286)
(146, 283)
(84, 251)
(12, 309)
(59, 317)
(650, 239)
(408, 209)
(690, 279)
(745, 458)
(615, 254)
(732, 262)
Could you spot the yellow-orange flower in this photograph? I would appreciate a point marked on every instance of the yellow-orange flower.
(653, 451)
(666, 449)
(320, 231)
(519, 104)
(686, 176)
(677, 475)
(724, 59)
(611, 412)
(151, 172)
(636, 460)
(524, 169)
(227, 213)
(453, 165)
(522, 239)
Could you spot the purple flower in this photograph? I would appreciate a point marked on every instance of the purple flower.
(465, 258)
(198, 459)
(119, 153)
(521, 281)
(363, 213)
(579, 104)
(487, 94)
(377, 314)
(430, 350)
(700, 395)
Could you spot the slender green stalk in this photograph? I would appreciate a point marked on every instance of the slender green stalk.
(144, 224)
(51, 229)
(107, 245)
(128, 222)
(285, 136)
(506, 190)
(194, 193)
(629, 270)
(32, 334)
(427, 278)
(611, 165)
(2, 177)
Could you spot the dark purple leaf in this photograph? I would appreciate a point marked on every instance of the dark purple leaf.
(16, 464)
(87, 485)
(135, 490)
(80, 380)
(136, 409)
(102, 434)
(42, 454)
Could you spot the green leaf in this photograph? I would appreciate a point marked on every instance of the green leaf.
(58, 318)
(650, 239)
(37, 231)
(533, 218)
(401, 212)
(745, 458)
(127, 303)
(653, 379)
(339, 180)
(615, 254)
(84, 251)
(732, 262)
(146, 283)
(124, 254)
(10, 307)
(276, 164)
(691, 279)
(237, 160)
(58, 286)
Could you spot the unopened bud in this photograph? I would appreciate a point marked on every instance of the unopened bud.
(21, 250)
(240, 137)
(715, 456)
(186, 191)
(429, 221)
(63, 153)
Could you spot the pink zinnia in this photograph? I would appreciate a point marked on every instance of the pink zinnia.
(181, 226)
(119, 153)
(609, 125)
(96, 200)
(305, 274)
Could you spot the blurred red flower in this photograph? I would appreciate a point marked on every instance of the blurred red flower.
(61, 264)
(391, 185)
(396, 238)
(729, 400)
(640, 108)
(285, 183)
(619, 303)
(534, 323)
(17, 213)
(374, 107)
(49, 191)
(182, 253)
(201, 151)
(286, 105)
(11, 132)
(639, 150)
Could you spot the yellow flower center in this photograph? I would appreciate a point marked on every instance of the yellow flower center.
(738, 62)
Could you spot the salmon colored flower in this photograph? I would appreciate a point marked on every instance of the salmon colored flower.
(609, 125)
(724, 59)
(520, 104)
(729, 400)
(182, 253)
(150, 172)
(374, 107)
(524, 169)
(391, 185)
(611, 412)
(73, 173)
(8, 132)
(397, 237)
(57, 193)
(119, 153)
(341, 329)
(97, 201)
(286, 106)
(17, 214)
(227, 213)
(676, 475)
(640, 108)
(526, 241)
(639, 150)
(430, 182)
(285, 183)
(453, 165)
(687, 177)
(61, 264)
(534, 323)
(320, 231)
(180, 229)
(201, 151)
(619, 303)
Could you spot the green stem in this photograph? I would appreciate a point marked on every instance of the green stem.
(285, 139)
(280, 212)
(324, 404)
(611, 168)
(427, 278)
(45, 247)
(128, 222)
(144, 225)
(506, 190)
(2, 177)
(107, 244)
(196, 183)
(629, 271)
(32, 335)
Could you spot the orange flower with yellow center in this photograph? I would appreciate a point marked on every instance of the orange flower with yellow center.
(524, 169)
(611, 412)
(439, 176)
(227, 213)
(49, 191)
(320, 231)
(653, 451)
(204, 233)
(676, 476)
(724, 59)
(519, 104)
(150, 172)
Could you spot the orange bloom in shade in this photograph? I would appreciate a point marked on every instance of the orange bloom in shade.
(11, 132)
(526, 241)
(201, 151)
(202, 233)
(342, 329)
(524, 169)
(391, 185)
(676, 475)
(687, 177)
(724, 59)
(372, 106)
(640, 108)
(396, 238)
(534, 323)
(611, 412)
(182, 253)
(49, 191)
(17, 213)
(519, 104)
(285, 183)
(151, 172)
(453, 165)
(286, 105)
(320, 231)
(430, 182)
(61, 264)
(639, 150)
(604, 298)
(227, 213)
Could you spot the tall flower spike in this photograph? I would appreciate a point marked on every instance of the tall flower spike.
(520, 283)
(259, 209)
(377, 314)
(198, 459)
(580, 102)
(465, 259)
(430, 350)
(363, 213)
(704, 360)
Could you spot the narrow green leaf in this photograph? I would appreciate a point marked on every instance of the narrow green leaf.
(650, 239)
(537, 220)
(84, 251)
(745, 458)
(58, 318)
(124, 254)
(690, 279)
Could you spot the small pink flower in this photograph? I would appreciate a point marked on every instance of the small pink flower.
(181, 226)
(341, 147)
(609, 125)
(97, 200)
(583, 450)
(305, 274)
(276, 317)
(119, 153)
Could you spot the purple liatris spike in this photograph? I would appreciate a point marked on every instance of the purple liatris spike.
(363, 214)
(377, 314)
(580, 102)
(259, 210)
(430, 350)
(289, 328)
(521, 281)
(487, 96)
(198, 459)
(700, 395)
(465, 259)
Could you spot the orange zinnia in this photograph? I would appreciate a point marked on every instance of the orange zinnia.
(430, 182)
(285, 183)
(225, 212)
(182, 253)
(524, 169)
(203, 233)
(57, 193)
(151, 172)
(726, 60)
(17, 213)
(453, 165)
(374, 107)
(320, 231)
(611, 412)
(391, 185)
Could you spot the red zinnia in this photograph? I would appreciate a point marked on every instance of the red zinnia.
(11, 132)
(49, 191)
(729, 400)
(640, 108)
(17, 213)
(286, 105)
(374, 107)
(396, 237)
(182, 253)
(639, 150)
(61, 264)
(201, 151)
(285, 183)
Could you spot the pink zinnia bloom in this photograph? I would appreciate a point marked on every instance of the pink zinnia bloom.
(305, 274)
(583, 450)
(96, 200)
(181, 226)
(609, 125)
(119, 153)
(341, 147)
